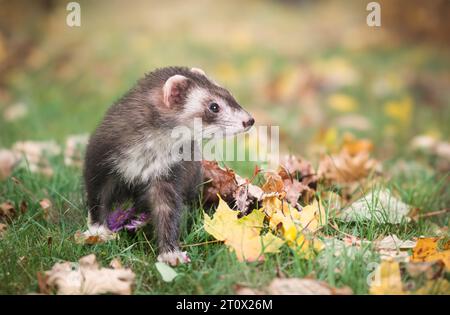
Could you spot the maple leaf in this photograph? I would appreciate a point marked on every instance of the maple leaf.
(87, 277)
(294, 223)
(345, 167)
(426, 250)
(313, 216)
(274, 183)
(355, 146)
(217, 181)
(296, 286)
(242, 235)
(299, 178)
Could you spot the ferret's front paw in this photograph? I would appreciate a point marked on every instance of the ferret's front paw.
(174, 258)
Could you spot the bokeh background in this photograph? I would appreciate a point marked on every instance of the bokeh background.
(314, 68)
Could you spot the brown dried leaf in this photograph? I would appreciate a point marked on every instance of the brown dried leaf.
(218, 181)
(7, 211)
(299, 179)
(87, 277)
(292, 167)
(82, 238)
(346, 168)
(274, 183)
(46, 206)
(297, 286)
(8, 160)
(36, 153)
(74, 149)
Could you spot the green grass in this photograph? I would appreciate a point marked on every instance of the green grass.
(34, 243)
(82, 71)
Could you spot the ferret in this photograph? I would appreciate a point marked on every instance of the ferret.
(128, 157)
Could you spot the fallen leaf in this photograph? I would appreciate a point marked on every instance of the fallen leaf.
(81, 238)
(167, 273)
(74, 149)
(345, 167)
(274, 183)
(94, 235)
(392, 247)
(380, 206)
(36, 154)
(281, 215)
(87, 277)
(426, 250)
(296, 286)
(342, 103)
(15, 112)
(254, 192)
(392, 242)
(8, 161)
(7, 211)
(217, 181)
(387, 279)
(292, 167)
(313, 216)
(355, 146)
(400, 110)
(46, 206)
(293, 224)
(241, 235)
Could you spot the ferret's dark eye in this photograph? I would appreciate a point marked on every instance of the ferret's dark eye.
(214, 107)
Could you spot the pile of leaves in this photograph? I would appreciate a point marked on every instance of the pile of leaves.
(288, 210)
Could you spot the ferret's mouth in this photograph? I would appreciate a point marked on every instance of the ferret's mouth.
(220, 131)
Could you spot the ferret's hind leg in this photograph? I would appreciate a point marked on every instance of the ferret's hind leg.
(98, 212)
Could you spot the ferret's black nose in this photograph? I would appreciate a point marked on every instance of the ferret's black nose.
(248, 123)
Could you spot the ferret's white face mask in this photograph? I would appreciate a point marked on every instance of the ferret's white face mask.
(218, 119)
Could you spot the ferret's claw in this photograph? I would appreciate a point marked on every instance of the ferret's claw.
(174, 258)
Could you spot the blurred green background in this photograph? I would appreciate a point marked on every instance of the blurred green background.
(314, 68)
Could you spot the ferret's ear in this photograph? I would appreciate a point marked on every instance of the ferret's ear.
(198, 71)
(174, 89)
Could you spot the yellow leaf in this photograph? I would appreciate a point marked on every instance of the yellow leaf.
(306, 247)
(328, 138)
(426, 250)
(355, 146)
(292, 223)
(387, 279)
(281, 212)
(400, 110)
(312, 216)
(242, 235)
(342, 103)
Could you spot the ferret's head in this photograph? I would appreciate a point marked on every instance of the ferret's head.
(191, 94)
